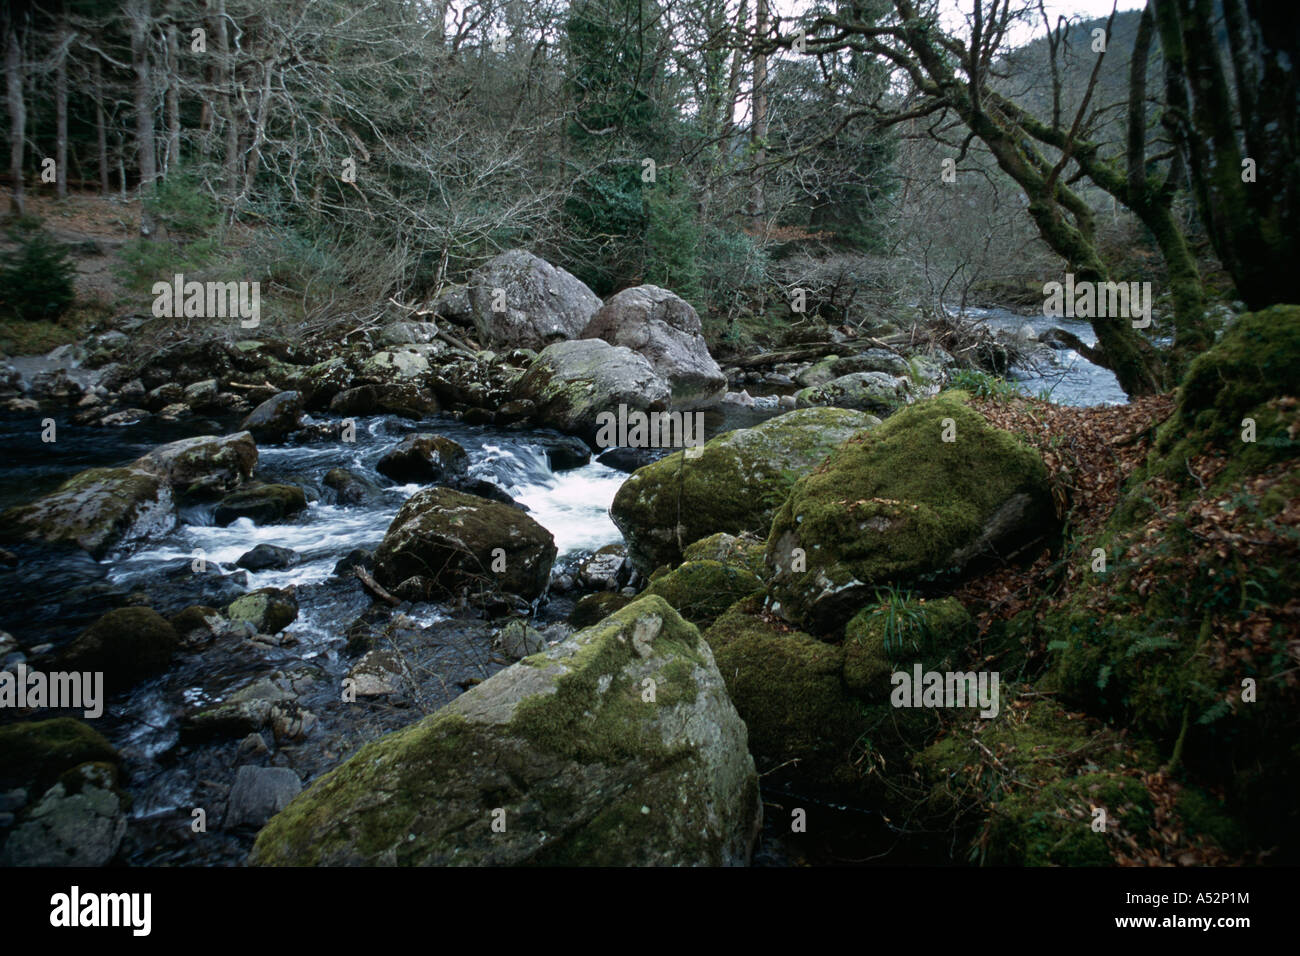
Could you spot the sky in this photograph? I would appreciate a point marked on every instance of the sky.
(957, 10)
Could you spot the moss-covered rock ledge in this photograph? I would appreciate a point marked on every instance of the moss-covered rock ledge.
(617, 747)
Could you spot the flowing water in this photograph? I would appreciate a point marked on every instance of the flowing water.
(49, 597)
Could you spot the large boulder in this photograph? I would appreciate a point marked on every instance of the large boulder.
(571, 383)
(536, 302)
(664, 328)
(616, 747)
(276, 417)
(820, 714)
(424, 457)
(735, 484)
(444, 542)
(206, 465)
(97, 510)
(901, 503)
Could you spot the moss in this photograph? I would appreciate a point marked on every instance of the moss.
(900, 504)
(593, 608)
(942, 628)
(1241, 377)
(1052, 826)
(128, 644)
(1030, 778)
(1210, 817)
(746, 552)
(735, 484)
(33, 754)
(702, 590)
(788, 689)
(615, 729)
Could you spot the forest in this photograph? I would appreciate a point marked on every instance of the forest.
(768, 433)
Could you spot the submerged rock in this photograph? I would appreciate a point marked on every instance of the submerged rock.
(259, 793)
(80, 821)
(270, 610)
(128, 645)
(565, 758)
(261, 503)
(268, 557)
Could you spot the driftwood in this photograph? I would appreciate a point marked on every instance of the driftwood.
(374, 587)
(805, 353)
(442, 333)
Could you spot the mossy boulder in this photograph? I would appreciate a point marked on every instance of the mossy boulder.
(206, 466)
(270, 610)
(900, 504)
(444, 542)
(702, 590)
(426, 458)
(262, 503)
(734, 483)
(593, 608)
(97, 510)
(789, 689)
(881, 639)
(616, 747)
(128, 645)
(33, 754)
(738, 551)
(1249, 374)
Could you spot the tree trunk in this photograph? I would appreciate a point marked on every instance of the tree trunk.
(17, 107)
(172, 156)
(61, 110)
(101, 126)
(758, 131)
(139, 15)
